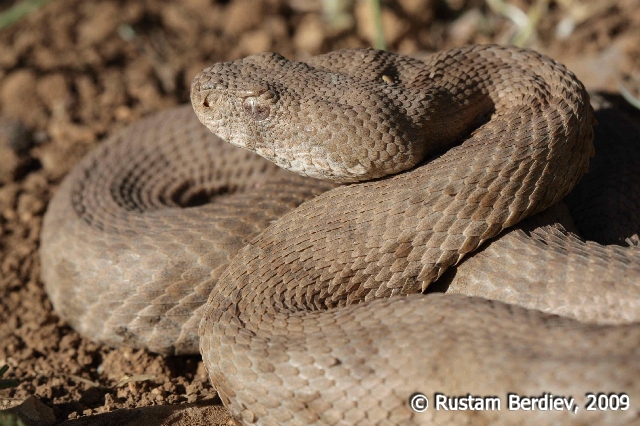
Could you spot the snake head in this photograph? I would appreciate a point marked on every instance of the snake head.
(312, 120)
(235, 103)
(240, 101)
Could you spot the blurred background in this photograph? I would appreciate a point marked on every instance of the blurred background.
(74, 71)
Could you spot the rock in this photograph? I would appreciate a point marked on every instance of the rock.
(208, 412)
(14, 135)
(15, 141)
(32, 412)
(310, 34)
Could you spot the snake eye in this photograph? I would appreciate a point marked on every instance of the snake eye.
(256, 108)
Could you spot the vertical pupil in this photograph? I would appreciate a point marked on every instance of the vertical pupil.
(255, 109)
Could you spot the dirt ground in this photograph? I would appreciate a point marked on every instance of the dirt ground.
(74, 71)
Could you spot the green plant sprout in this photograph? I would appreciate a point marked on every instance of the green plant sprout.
(6, 383)
(18, 11)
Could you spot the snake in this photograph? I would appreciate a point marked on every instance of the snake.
(352, 232)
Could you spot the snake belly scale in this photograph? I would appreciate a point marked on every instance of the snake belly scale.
(313, 310)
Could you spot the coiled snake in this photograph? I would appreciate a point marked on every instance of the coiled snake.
(314, 312)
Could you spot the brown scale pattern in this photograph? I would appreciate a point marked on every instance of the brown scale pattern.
(123, 262)
(293, 331)
(570, 264)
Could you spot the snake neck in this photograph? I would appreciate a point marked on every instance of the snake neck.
(399, 234)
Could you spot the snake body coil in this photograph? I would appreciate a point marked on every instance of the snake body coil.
(314, 314)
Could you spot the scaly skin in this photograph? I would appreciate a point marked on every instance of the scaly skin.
(292, 332)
